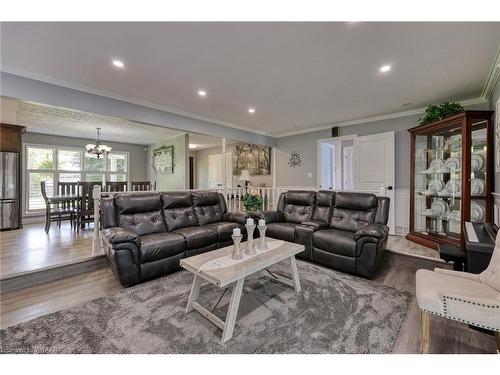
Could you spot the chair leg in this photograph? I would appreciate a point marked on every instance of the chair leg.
(497, 336)
(47, 222)
(426, 320)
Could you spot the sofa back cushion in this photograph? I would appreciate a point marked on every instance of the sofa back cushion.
(209, 207)
(298, 205)
(352, 211)
(178, 210)
(140, 212)
(324, 206)
(108, 212)
(382, 215)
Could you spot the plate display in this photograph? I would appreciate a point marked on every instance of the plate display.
(439, 207)
(477, 186)
(452, 163)
(436, 164)
(436, 186)
(476, 212)
(453, 187)
(477, 162)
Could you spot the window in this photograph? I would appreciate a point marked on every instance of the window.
(62, 164)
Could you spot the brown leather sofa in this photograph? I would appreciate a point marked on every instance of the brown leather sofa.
(145, 235)
(341, 230)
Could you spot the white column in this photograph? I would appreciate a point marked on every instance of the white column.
(96, 245)
(224, 167)
(273, 165)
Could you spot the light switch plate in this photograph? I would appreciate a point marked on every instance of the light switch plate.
(309, 174)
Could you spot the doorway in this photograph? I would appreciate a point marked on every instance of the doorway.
(336, 163)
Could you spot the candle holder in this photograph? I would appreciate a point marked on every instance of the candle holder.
(262, 240)
(237, 252)
(250, 250)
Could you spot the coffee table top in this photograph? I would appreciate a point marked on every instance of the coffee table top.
(218, 268)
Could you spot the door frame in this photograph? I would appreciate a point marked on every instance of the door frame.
(338, 152)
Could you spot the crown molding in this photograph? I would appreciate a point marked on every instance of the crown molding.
(388, 116)
(89, 90)
(493, 76)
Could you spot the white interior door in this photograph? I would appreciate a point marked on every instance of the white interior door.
(374, 168)
(348, 168)
(215, 175)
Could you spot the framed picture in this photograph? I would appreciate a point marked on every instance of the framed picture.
(254, 158)
(163, 160)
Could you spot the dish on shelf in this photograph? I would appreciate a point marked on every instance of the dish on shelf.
(443, 170)
(477, 186)
(452, 163)
(454, 215)
(439, 207)
(477, 162)
(436, 164)
(453, 187)
(476, 212)
(435, 186)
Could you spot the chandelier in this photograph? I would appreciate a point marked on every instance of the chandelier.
(97, 149)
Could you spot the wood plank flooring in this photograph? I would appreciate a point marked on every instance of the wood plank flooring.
(30, 248)
(396, 270)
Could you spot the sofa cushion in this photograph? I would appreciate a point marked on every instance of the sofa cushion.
(209, 207)
(224, 230)
(324, 206)
(281, 231)
(178, 210)
(298, 206)
(352, 211)
(197, 237)
(140, 212)
(158, 246)
(335, 241)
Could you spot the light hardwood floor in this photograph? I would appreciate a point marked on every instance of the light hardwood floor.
(30, 248)
(396, 270)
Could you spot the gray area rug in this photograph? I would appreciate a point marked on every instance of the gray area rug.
(334, 313)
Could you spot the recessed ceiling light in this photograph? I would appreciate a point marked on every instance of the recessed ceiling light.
(118, 63)
(385, 68)
(202, 93)
(192, 146)
(251, 110)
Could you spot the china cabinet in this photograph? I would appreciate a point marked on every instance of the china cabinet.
(451, 177)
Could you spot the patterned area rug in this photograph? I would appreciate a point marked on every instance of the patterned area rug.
(334, 313)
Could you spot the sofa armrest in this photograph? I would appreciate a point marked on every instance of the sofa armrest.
(315, 224)
(465, 275)
(236, 217)
(378, 231)
(272, 217)
(118, 235)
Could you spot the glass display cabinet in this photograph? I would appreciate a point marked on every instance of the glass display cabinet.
(451, 177)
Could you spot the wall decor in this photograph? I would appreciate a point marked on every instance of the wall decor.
(254, 158)
(163, 160)
(294, 160)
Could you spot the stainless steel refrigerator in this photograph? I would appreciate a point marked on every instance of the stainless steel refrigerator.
(9, 190)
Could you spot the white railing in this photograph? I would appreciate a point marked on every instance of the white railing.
(234, 201)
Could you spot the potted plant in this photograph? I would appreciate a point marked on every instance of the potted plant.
(439, 112)
(252, 203)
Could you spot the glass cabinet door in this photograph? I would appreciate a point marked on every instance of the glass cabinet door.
(478, 176)
(437, 183)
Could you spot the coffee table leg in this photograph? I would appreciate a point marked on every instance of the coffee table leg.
(232, 312)
(195, 290)
(295, 274)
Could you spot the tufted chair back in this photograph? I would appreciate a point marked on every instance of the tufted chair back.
(491, 275)
(324, 205)
(353, 211)
(178, 210)
(209, 207)
(140, 212)
(298, 205)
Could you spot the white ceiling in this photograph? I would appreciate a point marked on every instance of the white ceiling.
(64, 122)
(296, 75)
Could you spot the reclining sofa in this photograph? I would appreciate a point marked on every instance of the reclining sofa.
(341, 230)
(145, 235)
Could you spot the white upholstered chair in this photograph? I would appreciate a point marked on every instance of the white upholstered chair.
(465, 297)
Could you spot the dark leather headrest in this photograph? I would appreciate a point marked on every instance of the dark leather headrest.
(325, 198)
(210, 198)
(355, 201)
(130, 203)
(300, 197)
(176, 200)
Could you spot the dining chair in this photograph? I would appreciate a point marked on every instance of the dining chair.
(115, 186)
(54, 210)
(69, 189)
(470, 298)
(142, 185)
(85, 204)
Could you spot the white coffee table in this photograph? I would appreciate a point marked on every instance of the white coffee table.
(218, 268)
